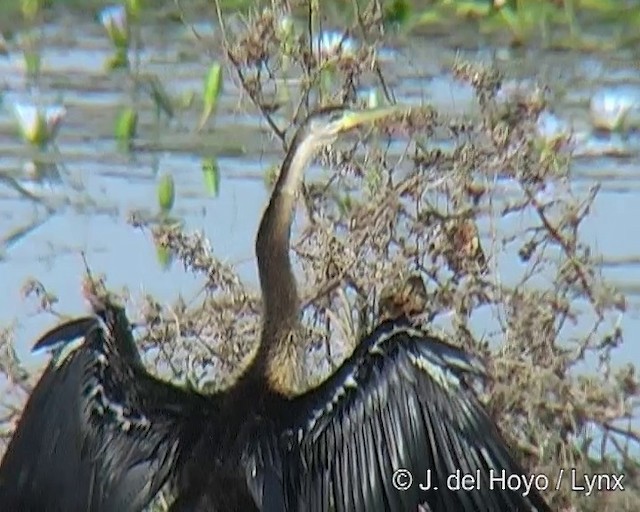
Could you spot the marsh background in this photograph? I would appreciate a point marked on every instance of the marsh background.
(511, 189)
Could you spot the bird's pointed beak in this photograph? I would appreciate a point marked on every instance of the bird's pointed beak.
(357, 118)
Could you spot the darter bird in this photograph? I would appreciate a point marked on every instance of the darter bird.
(99, 433)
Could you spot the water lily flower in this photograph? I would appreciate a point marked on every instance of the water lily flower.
(331, 44)
(371, 97)
(114, 19)
(616, 108)
(39, 125)
(555, 131)
(286, 28)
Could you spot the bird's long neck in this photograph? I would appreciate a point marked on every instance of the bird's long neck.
(276, 357)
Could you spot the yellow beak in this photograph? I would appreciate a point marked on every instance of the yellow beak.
(355, 118)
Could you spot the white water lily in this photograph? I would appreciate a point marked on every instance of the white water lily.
(371, 97)
(39, 125)
(114, 19)
(334, 43)
(286, 28)
(554, 130)
(616, 108)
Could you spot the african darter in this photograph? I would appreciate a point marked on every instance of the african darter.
(99, 433)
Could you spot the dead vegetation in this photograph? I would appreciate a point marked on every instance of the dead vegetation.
(489, 222)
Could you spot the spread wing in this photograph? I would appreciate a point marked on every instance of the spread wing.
(98, 433)
(398, 403)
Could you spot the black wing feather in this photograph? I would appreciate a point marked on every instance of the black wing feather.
(98, 433)
(398, 402)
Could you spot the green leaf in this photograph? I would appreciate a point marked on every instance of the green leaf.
(211, 174)
(166, 193)
(212, 90)
(126, 125)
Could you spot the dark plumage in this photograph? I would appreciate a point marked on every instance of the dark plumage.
(398, 402)
(98, 432)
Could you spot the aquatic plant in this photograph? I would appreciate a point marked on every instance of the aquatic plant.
(211, 175)
(166, 193)
(332, 44)
(211, 93)
(164, 255)
(371, 97)
(31, 38)
(125, 127)
(554, 131)
(615, 108)
(287, 35)
(116, 23)
(39, 125)
(554, 23)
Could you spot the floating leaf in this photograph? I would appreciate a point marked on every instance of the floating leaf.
(212, 90)
(211, 173)
(126, 126)
(166, 193)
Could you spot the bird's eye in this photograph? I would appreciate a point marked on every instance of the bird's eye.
(334, 113)
(336, 116)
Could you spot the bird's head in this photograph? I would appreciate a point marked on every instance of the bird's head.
(324, 126)
(319, 130)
